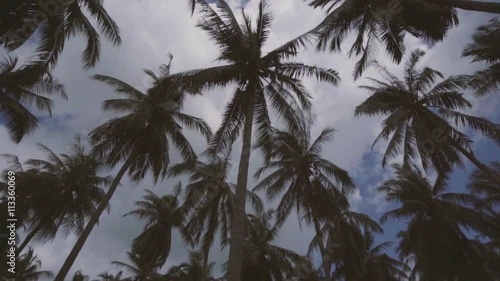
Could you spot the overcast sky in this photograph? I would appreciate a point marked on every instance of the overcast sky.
(152, 28)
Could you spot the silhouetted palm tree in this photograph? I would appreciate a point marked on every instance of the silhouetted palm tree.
(370, 263)
(306, 181)
(434, 239)
(387, 22)
(191, 270)
(162, 215)
(210, 199)
(28, 268)
(110, 277)
(140, 271)
(22, 88)
(141, 138)
(299, 172)
(485, 49)
(53, 23)
(261, 80)
(59, 192)
(420, 115)
(340, 233)
(79, 276)
(261, 259)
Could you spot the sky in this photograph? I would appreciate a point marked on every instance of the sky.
(150, 29)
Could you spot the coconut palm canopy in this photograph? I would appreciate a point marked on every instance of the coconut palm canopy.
(331, 113)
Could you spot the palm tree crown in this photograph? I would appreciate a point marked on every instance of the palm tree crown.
(162, 214)
(20, 89)
(191, 270)
(54, 23)
(485, 48)
(151, 122)
(420, 115)
(298, 169)
(59, 192)
(435, 239)
(210, 201)
(261, 259)
(139, 270)
(380, 22)
(28, 268)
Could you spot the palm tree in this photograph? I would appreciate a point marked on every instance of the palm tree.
(191, 270)
(140, 271)
(420, 116)
(261, 259)
(141, 138)
(387, 22)
(306, 180)
(297, 169)
(261, 80)
(110, 277)
(28, 268)
(481, 184)
(162, 214)
(20, 89)
(24, 192)
(371, 263)
(434, 238)
(210, 199)
(340, 233)
(59, 192)
(484, 48)
(79, 276)
(54, 22)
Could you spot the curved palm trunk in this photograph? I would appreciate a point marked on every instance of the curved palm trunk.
(492, 175)
(238, 221)
(92, 222)
(477, 6)
(28, 239)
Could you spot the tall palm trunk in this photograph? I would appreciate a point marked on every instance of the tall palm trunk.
(238, 221)
(28, 239)
(478, 6)
(492, 175)
(92, 222)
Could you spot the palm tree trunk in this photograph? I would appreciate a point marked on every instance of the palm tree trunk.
(92, 222)
(492, 175)
(28, 239)
(238, 221)
(477, 6)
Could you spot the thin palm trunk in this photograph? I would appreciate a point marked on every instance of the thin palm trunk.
(477, 6)
(92, 222)
(238, 221)
(492, 175)
(28, 239)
